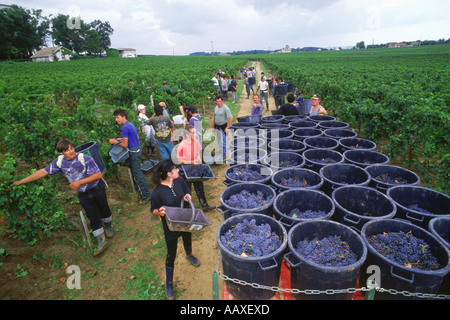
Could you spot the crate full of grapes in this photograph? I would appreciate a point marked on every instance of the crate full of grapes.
(202, 172)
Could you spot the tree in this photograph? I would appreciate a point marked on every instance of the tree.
(68, 35)
(21, 32)
(105, 31)
(361, 45)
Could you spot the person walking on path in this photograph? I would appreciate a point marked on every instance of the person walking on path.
(130, 140)
(224, 87)
(86, 178)
(263, 86)
(222, 120)
(171, 190)
(233, 88)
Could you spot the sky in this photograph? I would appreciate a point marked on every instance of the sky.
(180, 27)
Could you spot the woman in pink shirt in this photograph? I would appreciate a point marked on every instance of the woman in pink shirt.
(189, 151)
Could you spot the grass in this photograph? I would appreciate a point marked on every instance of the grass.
(144, 283)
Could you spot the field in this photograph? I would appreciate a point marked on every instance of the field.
(396, 97)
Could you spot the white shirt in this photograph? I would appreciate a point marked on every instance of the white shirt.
(263, 85)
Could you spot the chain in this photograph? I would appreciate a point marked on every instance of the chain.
(328, 291)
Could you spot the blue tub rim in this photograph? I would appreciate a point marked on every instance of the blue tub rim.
(249, 216)
(358, 264)
(444, 270)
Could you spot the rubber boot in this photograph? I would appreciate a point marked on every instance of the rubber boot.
(169, 283)
(204, 203)
(109, 233)
(193, 260)
(101, 244)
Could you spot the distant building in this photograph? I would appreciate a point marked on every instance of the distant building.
(126, 52)
(286, 49)
(50, 54)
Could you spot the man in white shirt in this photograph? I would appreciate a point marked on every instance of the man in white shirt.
(215, 82)
(263, 85)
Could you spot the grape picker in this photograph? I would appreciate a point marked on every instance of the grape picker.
(85, 177)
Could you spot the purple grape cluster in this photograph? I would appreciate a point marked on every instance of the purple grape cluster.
(200, 171)
(329, 251)
(295, 182)
(288, 163)
(385, 178)
(244, 174)
(416, 207)
(405, 249)
(250, 240)
(247, 200)
(324, 160)
(308, 214)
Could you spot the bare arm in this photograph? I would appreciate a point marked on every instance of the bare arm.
(32, 177)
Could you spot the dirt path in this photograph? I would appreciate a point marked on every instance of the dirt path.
(39, 272)
(197, 283)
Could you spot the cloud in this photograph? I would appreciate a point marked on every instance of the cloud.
(185, 26)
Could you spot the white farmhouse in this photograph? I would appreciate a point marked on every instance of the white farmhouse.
(127, 52)
(52, 54)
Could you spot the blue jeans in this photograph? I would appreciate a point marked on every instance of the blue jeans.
(222, 140)
(136, 171)
(165, 149)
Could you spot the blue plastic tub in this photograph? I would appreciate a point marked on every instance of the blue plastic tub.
(440, 227)
(365, 158)
(333, 124)
(250, 119)
(303, 124)
(286, 145)
(247, 155)
(293, 118)
(273, 125)
(321, 118)
(383, 177)
(264, 270)
(268, 135)
(339, 133)
(272, 119)
(118, 154)
(419, 204)
(315, 159)
(399, 277)
(92, 149)
(321, 143)
(304, 200)
(284, 160)
(308, 275)
(342, 174)
(253, 188)
(280, 179)
(231, 177)
(356, 144)
(357, 205)
(304, 133)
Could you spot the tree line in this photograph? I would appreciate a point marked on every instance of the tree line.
(22, 31)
